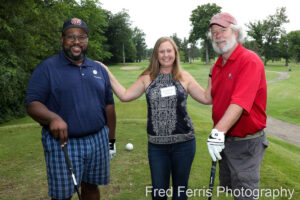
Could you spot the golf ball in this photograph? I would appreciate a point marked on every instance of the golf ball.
(129, 146)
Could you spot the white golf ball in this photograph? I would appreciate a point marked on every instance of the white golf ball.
(129, 146)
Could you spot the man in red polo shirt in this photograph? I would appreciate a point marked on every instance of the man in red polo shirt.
(239, 96)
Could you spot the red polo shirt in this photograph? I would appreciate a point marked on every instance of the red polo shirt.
(240, 81)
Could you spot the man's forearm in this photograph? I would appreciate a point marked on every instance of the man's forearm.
(231, 116)
(111, 120)
(40, 113)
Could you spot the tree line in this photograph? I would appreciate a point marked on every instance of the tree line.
(266, 37)
(31, 31)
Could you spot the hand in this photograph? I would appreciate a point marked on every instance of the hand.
(215, 144)
(59, 129)
(112, 148)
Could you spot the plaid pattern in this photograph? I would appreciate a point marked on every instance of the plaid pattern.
(89, 157)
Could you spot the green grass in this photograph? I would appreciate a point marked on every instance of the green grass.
(23, 170)
(280, 66)
(283, 96)
(270, 75)
(25, 120)
(23, 173)
(284, 99)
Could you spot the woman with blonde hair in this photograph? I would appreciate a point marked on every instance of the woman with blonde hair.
(171, 136)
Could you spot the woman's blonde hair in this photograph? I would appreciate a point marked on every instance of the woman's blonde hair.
(154, 66)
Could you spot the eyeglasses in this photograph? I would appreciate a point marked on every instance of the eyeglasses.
(218, 31)
(81, 38)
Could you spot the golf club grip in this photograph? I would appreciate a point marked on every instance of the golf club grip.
(212, 177)
(67, 157)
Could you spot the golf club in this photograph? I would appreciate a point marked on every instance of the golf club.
(71, 170)
(212, 178)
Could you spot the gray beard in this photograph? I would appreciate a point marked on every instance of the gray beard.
(229, 44)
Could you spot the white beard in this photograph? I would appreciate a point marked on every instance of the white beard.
(229, 44)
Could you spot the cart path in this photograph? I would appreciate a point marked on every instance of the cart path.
(283, 76)
(283, 130)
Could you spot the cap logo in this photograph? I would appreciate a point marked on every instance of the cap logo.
(76, 21)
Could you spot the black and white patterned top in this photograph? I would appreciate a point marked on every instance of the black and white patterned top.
(168, 120)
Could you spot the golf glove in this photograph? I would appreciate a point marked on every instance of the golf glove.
(215, 144)
(112, 148)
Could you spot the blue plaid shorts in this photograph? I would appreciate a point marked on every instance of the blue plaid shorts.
(89, 158)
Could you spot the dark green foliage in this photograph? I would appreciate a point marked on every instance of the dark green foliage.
(253, 45)
(119, 37)
(200, 19)
(177, 41)
(30, 32)
(267, 33)
(283, 49)
(187, 49)
(211, 53)
(12, 92)
(140, 44)
(97, 21)
(294, 44)
(194, 52)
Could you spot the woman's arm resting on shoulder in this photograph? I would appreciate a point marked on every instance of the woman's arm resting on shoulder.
(197, 92)
(132, 93)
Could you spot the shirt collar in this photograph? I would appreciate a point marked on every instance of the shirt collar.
(232, 57)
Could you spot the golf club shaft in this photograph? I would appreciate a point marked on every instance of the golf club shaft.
(212, 178)
(71, 170)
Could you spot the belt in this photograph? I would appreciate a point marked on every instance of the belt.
(248, 137)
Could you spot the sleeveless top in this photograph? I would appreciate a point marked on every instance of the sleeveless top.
(168, 120)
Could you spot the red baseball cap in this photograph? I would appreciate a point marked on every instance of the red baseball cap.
(222, 19)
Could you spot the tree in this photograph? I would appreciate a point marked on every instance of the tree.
(194, 51)
(253, 45)
(139, 43)
(177, 41)
(200, 19)
(186, 50)
(26, 37)
(266, 33)
(30, 32)
(283, 48)
(207, 49)
(119, 37)
(149, 53)
(294, 44)
(96, 18)
(257, 31)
